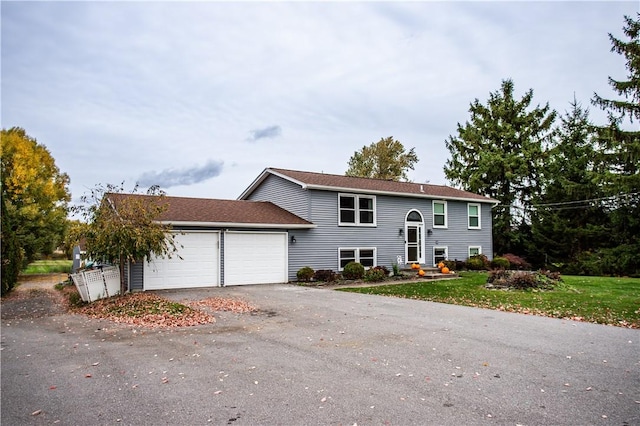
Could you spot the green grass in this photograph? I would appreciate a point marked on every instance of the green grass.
(603, 300)
(48, 267)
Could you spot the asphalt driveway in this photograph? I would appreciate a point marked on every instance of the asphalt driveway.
(316, 356)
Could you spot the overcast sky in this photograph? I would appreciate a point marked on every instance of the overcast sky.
(200, 97)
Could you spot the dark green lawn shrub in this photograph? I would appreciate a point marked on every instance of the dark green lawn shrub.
(451, 264)
(458, 265)
(305, 274)
(500, 263)
(383, 269)
(479, 262)
(353, 271)
(378, 273)
(326, 275)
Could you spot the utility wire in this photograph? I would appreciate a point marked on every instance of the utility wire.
(571, 205)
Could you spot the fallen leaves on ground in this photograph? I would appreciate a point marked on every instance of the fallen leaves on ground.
(146, 310)
(225, 304)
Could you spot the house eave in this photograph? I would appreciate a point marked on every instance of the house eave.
(303, 185)
(401, 194)
(179, 223)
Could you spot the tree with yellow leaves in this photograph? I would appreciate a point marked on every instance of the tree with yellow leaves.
(34, 194)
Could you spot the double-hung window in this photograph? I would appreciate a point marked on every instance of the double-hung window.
(473, 211)
(356, 210)
(439, 214)
(474, 250)
(364, 255)
(440, 254)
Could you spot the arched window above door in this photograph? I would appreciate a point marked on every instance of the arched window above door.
(414, 216)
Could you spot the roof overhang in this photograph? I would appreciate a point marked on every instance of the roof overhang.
(303, 185)
(400, 194)
(177, 223)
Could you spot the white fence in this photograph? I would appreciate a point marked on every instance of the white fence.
(97, 284)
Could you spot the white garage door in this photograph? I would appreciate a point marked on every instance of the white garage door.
(199, 266)
(255, 258)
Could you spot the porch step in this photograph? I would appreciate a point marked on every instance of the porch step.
(426, 269)
(430, 273)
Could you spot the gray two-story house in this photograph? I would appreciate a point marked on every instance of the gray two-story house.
(375, 222)
(288, 219)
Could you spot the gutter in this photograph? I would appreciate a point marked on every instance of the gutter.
(239, 225)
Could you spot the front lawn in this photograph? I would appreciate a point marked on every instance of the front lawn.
(48, 267)
(603, 300)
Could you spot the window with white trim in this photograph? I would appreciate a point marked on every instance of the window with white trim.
(363, 255)
(475, 250)
(439, 214)
(473, 213)
(440, 254)
(356, 210)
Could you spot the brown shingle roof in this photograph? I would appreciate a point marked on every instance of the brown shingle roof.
(339, 182)
(205, 210)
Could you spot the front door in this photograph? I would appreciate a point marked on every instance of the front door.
(414, 231)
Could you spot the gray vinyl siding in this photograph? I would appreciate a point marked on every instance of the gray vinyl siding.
(283, 193)
(136, 272)
(457, 237)
(318, 247)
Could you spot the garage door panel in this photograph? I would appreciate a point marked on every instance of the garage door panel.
(255, 258)
(196, 266)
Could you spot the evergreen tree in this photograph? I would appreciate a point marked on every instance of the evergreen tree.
(564, 222)
(621, 151)
(500, 153)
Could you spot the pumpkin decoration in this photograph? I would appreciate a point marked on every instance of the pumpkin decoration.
(421, 273)
(444, 270)
(415, 266)
(441, 265)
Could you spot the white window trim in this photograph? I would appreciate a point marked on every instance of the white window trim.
(357, 210)
(446, 253)
(479, 216)
(357, 255)
(421, 230)
(474, 247)
(433, 215)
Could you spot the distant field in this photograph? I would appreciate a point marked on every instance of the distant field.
(604, 300)
(48, 267)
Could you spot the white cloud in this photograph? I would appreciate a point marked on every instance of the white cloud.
(116, 89)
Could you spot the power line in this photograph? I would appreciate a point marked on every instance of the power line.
(572, 205)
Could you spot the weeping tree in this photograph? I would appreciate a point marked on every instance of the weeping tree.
(500, 153)
(124, 227)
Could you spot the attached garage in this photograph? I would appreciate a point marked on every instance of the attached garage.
(255, 258)
(197, 266)
(220, 243)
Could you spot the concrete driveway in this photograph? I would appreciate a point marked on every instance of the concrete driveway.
(316, 356)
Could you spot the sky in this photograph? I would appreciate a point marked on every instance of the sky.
(201, 97)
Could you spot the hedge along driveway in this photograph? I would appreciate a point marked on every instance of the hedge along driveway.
(313, 356)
